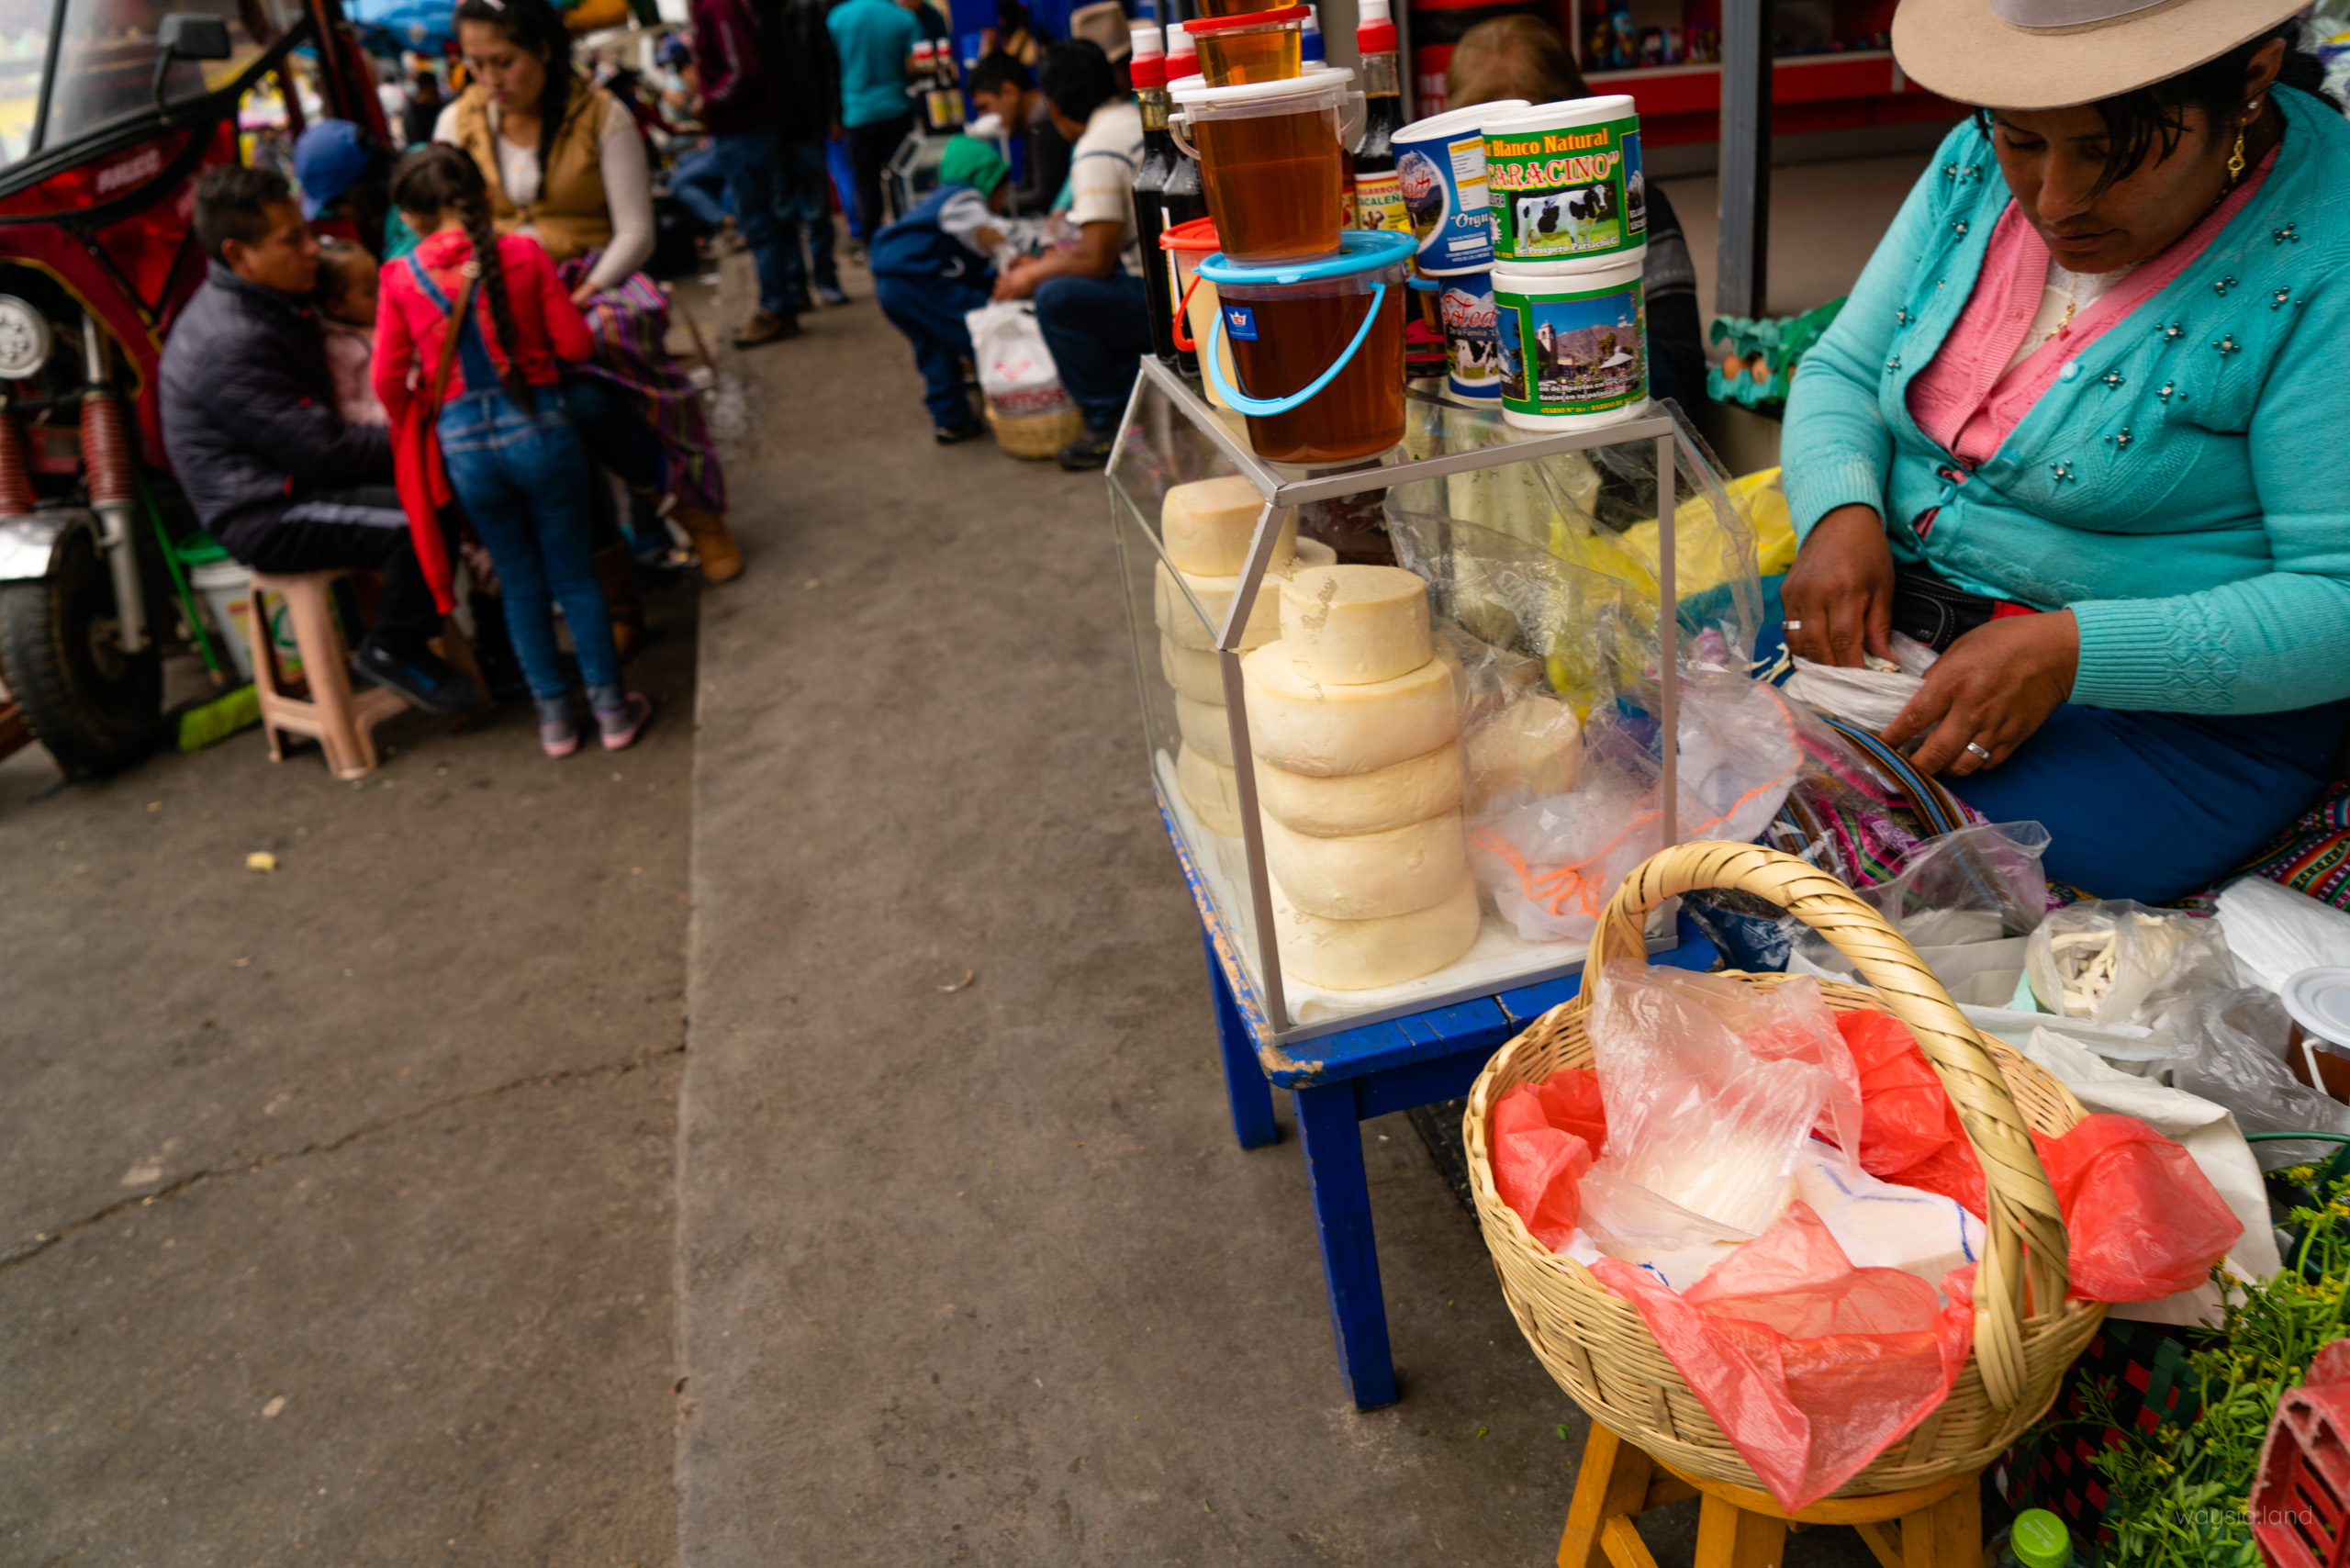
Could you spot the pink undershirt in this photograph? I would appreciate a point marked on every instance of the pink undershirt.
(1961, 400)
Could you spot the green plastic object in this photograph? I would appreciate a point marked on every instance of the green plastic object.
(1776, 344)
(2038, 1539)
(217, 719)
(199, 549)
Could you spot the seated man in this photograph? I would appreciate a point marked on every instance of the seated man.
(250, 421)
(1002, 86)
(1089, 299)
(935, 264)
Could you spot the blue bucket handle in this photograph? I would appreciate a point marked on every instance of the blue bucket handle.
(1263, 407)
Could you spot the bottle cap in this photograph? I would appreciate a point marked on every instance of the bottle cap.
(1374, 28)
(1148, 41)
(1312, 46)
(1146, 71)
(2038, 1540)
(1179, 50)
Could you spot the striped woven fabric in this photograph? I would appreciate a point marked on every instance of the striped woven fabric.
(2312, 857)
(631, 323)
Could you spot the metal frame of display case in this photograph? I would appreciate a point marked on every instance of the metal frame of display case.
(1278, 494)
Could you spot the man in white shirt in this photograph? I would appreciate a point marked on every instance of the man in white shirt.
(1089, 299)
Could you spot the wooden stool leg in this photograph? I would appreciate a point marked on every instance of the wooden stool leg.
(1729, 1536)
(1948, 1535)
(265, 682)
(1613, 1483)
(1244, 1080)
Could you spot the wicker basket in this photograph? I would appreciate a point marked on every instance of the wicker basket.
(1036, 435)
(1595, 1343)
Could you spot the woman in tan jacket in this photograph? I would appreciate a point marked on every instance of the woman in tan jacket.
(564, 162)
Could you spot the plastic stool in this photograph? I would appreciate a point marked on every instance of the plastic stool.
(1935, 1526)
(343, 722)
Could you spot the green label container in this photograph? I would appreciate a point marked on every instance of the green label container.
(1573, 346)
(1564, 182)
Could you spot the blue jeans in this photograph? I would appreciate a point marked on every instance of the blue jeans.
(699, 182)
(807, 210)
(842, 170)
(930, 312)
(2154, 806)
(1099, 328)
(754, 186)
(522, 478)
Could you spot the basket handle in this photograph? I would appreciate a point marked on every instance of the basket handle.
(2025, 1245)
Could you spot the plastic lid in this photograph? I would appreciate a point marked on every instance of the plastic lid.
(1179, 45)
(1359, 251)
(1147, 72)
(1314, 51)
(1279, 17)
(1321, 82)
(1565, 112)
(1374, 28)
(1196, 234)
(2038, 1540)
(1473, 117)
(199, 550)
(1147, 40)
(2319, 1000)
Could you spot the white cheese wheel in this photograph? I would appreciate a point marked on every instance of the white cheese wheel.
(1355, 625)
(1310, 727)
(1207, 525)
(1211, 790)
(1361, 955)
(1535, 744)
(1371, 875)
(1205, 729)
(1344, 804)
(1182, 622)
(1195, 673)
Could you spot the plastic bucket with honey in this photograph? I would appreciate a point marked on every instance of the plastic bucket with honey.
(1316, 350)
(1566, 185)
(1217, 9)
(1573, 346)
(1263, 46)
(1187, 245)
(1441, 164)
(1272, 162)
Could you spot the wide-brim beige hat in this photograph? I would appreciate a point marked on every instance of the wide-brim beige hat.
(2054, 54)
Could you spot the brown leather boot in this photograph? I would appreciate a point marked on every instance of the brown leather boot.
(721, 558)
(616, 575)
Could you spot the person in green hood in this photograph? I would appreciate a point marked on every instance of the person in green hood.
(937, 263)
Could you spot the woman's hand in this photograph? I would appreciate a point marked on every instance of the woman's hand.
(584, 293)
(1995, 685)
(1839, 596)
(1018, 281)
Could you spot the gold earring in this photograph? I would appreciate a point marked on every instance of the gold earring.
(2235, 159)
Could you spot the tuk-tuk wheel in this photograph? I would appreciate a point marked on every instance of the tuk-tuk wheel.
(94, 706)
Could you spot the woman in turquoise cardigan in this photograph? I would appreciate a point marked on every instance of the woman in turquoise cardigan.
(2083, 427)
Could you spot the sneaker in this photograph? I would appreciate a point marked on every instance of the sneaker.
(766, 327)
(622, 725)
(1091, 450)
(831, 294)
(559, 737)
(947, 435)
(421, 676)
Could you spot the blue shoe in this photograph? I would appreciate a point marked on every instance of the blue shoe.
(421, 676)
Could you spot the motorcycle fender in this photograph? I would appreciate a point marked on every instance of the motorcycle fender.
(29, 541)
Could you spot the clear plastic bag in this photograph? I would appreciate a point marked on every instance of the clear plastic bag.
(1695, 1115)
(2231, 1047)
(1552, 863)
(1965, 899)
(2276, 933)
(1870, 697)
(2113, 961)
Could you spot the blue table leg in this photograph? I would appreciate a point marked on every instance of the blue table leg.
(1244, 1080)
(1331, 1132)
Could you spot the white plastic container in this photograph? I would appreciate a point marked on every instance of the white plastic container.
(227, 589)
(1573, 346)
(1566, 185)
(1440, 165)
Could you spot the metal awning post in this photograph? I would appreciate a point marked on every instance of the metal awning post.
(1743, 249)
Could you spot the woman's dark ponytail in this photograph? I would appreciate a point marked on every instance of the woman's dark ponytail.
(441, 177)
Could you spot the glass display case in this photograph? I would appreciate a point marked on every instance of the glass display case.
(1556, 559)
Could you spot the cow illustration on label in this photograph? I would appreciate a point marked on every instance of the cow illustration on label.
(1423, 188)
(1471, 340)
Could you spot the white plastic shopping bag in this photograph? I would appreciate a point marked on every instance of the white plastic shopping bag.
(1016, 370)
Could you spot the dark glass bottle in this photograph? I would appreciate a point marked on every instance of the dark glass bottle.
(1378, 198)
(1167, 192)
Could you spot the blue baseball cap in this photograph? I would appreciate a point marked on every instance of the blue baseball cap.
(327, 159)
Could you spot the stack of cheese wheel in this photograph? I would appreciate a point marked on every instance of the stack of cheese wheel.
(1355, 731)
(1205, 528)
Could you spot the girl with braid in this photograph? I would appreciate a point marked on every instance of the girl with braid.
(513, 461)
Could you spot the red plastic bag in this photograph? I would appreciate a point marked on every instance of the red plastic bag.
(1909, 1129)
(2143, 1220)
(1545, 1136)
(1810, 1367)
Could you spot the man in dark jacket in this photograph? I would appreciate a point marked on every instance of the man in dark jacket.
(733, 77)
(805, 76)
(250, 421)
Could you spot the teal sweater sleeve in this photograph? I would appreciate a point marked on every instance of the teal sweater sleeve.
(1846, 449)
(2278, 640)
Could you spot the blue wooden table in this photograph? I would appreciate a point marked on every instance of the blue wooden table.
(1335, 1081)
